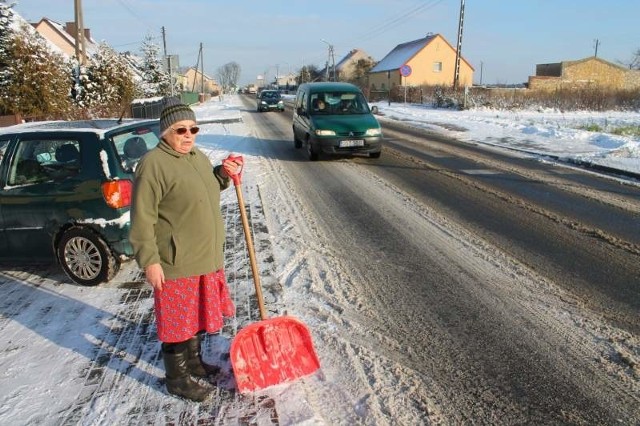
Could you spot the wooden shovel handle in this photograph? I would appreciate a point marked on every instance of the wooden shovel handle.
(252, 255)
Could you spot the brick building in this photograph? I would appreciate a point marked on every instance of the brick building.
(587, 72)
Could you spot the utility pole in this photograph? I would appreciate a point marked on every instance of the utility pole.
(331, 59)
(167, 58)
(597, 43)
(81, 51)
(202, 72)
(456, 76)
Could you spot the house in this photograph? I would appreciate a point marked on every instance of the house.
(62, 37)
(588, 72)
(346, 68)
(193, 80)
(287, 81)
(429, 61)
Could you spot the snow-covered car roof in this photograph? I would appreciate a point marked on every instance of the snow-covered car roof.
(99, 126)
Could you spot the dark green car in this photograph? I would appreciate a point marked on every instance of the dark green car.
(335, 119)
(269, 100)
(65, 193)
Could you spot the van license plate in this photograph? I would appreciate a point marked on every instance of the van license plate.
(349, 143)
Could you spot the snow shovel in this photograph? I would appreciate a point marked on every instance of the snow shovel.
(273, 350)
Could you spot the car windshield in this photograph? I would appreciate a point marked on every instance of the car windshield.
(338, 103)
(270, 95)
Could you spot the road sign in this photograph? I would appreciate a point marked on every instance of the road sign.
(405, 70)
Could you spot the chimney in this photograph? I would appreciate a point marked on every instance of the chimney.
(71, 29)
(87, 34)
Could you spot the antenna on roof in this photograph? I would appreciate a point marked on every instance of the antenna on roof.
(124, 110)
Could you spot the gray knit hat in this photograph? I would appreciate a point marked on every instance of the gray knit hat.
(174, 111)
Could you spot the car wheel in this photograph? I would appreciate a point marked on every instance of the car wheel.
(296, 142)
(313, 155)
(375, 154)
(85, 257)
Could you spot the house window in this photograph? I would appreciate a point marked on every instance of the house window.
(437, 67)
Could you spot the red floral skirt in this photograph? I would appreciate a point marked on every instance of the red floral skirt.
(186, 306)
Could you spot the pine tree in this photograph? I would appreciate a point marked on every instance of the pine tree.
(38, 79)
(104, 87)
(6, 37)
(155, 81)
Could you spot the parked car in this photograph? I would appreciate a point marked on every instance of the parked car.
(270, 100)
(65, 193)
(335, 119)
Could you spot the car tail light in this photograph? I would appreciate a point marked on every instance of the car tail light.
(117, 193)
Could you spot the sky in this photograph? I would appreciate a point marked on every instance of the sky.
(502, 39)
(99, 349)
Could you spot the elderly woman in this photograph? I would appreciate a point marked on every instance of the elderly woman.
(177, 234)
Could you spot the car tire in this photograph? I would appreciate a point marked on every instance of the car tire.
(375, 154)
(297, 143)
(85, 257)
(313, 155)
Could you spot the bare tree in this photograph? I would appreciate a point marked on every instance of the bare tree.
(635, 61)
(361, 71)
(228, 76)
(308, 73)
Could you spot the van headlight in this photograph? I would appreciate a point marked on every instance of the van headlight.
(373, 132)
(321, 132)
(280, 102)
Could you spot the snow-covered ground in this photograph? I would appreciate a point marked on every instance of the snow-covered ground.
(548, 133)
(72, 355)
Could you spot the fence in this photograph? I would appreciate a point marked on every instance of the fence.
(152, 107)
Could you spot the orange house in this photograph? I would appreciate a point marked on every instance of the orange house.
(428, 61)
(62, 37)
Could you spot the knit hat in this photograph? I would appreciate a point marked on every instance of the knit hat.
(174, 111)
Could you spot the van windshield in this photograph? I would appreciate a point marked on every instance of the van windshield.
(338, 103)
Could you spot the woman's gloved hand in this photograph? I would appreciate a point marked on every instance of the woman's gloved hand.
(232, 167)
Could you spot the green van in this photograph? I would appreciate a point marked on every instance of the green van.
(334, 119)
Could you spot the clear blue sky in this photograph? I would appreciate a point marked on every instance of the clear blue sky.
(502, 39)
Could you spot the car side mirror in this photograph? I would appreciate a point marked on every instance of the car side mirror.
(374, 109)
(301, 111)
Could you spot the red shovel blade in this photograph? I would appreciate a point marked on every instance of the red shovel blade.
(272, 351)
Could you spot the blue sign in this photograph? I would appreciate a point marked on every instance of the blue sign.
(405, 70)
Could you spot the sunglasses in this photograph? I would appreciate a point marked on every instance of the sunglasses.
(183, 130)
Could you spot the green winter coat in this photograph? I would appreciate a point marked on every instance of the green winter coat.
(175, 216)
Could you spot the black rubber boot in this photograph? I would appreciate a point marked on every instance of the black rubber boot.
(179, 380)
(197, 366)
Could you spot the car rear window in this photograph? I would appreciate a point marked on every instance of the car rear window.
(133, 144)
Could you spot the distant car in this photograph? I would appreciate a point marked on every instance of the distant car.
(270, 100)
(335, 119)
(65, 193)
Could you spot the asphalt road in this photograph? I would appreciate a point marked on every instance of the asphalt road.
(505, 286)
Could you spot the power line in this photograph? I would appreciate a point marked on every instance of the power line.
(388, 25)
